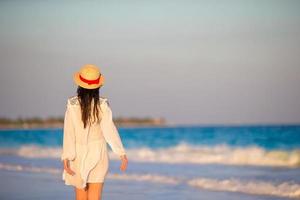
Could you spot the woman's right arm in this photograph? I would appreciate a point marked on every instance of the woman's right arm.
(112, 136)
(110, 132)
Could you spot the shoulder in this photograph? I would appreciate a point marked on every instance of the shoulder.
(103, 100)
(73, 100)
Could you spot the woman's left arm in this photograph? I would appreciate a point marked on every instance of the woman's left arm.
(68, 150)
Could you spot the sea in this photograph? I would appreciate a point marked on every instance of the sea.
(174, 162)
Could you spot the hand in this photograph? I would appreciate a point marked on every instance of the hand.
(67, 167)
(124, 163)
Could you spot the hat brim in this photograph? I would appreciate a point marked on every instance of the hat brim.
(85, 85)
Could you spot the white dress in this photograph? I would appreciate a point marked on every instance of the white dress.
(86, 148)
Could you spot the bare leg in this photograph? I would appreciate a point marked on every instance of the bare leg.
(81, 194)
(95, 191)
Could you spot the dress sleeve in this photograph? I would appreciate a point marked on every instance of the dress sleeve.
(111, 133)
(68, 151)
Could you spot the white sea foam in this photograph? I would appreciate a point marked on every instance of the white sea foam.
(284, 189)
(145, 178)
(184, 153)
(132, 177)
(254, 187)
(23, 168)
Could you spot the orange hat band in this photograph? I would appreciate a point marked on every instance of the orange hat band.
(96, 81)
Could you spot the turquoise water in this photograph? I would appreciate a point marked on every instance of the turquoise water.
(267, 137)
(260, 162)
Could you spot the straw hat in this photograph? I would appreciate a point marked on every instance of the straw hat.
(89, 77)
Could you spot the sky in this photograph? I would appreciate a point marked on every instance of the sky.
(190, 62)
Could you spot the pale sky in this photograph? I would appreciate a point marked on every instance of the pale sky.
(191, 62)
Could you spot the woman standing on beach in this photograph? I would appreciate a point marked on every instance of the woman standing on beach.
(88, 125)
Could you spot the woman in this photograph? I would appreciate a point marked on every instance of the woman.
(88, 127)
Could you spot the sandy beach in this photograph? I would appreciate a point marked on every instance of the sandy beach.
(24, 185)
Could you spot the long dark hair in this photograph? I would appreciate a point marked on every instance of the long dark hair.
(85, 97)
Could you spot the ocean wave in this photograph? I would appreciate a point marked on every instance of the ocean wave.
(220, 154)
(254, 187)
(184, 153)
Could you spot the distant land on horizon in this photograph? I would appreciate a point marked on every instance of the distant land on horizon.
(57, 122)
(121, 122)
